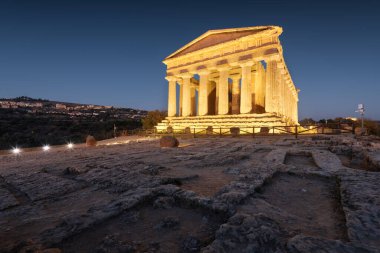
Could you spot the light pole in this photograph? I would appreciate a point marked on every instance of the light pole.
(361, 110)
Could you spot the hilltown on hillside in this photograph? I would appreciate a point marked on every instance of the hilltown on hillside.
(72, 110)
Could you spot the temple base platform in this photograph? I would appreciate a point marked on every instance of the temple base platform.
(247, 123)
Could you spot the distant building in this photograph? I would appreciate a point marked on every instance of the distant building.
(60, 106)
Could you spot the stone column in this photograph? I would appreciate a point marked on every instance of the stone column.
(216, 80)
(292, 107)
(246, 93)
(286, 87)
(186, 97)
(270, 103)
(235, 94)
(291, 104)
(223, 91)
(260, 89)
(203, 92)
(172, 99)
(281, 94)
(180, 97)
(193, 102)
(253, 85)
(211, 97)
(290, 101)
(277, 93)
(296, 107)
(286, 100)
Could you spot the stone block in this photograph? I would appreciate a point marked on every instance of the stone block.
(168, 142)
(235, 131)
(90, 141)
(187, 130)
(209, 130)
(169, 130)
(264, 130)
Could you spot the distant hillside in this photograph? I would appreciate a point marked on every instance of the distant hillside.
(43, 106)
(24, 98)
(47, 102)
(29, 122)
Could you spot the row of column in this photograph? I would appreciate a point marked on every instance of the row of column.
(260, 90)
(280, 98)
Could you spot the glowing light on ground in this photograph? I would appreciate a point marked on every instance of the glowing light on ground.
(70, 145)
(16, 151)
(46, 148)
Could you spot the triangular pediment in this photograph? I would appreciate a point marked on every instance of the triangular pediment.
(215, 37)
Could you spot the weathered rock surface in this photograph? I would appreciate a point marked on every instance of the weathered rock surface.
(7, 199)
(209, 195)
(248, 234)
(304, 244)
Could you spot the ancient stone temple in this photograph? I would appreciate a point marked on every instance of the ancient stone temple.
(230, 78)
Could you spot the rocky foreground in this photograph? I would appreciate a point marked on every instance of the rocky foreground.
(272, 194)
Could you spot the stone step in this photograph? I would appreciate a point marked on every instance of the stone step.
(232, 120)
(232, 116)
(245, 122)
(227, 121)
(264, 122)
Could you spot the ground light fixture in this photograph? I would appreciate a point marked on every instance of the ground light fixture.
(16, 151)
(45, 147)
(70, 145)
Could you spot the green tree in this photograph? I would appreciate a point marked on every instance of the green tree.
(153, 118)
(307, 121)
(372, 126)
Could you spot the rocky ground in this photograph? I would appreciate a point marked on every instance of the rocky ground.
(269, 194)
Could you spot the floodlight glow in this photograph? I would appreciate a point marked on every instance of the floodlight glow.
(46, 148)
(16, 151)
(70, 145)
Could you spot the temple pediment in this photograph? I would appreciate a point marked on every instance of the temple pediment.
(215, 37)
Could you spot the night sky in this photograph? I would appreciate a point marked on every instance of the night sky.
(110, 52)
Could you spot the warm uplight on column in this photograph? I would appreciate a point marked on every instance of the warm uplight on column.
(172, 97)
(223, 89)
(186, 96)
(246, 91)
(203, 92)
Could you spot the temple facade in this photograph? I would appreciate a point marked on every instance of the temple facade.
(230, 78)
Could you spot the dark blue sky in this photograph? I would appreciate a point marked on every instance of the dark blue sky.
(110, 52)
